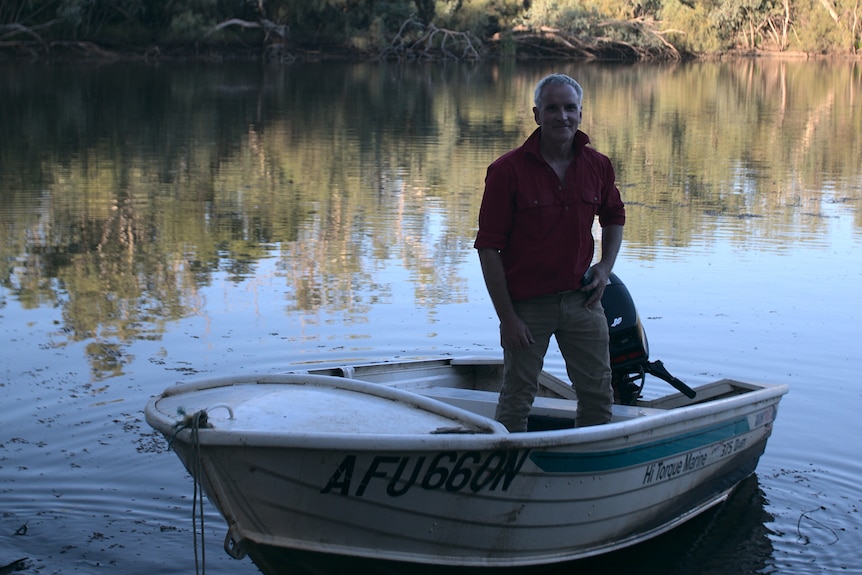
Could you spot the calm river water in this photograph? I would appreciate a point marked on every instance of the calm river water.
(159, 223)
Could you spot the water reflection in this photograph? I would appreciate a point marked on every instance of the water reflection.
(124, 189)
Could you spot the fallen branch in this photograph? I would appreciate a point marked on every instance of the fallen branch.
(645, 29)
(546, 42)
(550, 42)
(78, 46)
(13, 29)
(268, 27)
(417, 41)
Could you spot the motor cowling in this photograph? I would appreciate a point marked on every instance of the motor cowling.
(627, 340)
(629, 348)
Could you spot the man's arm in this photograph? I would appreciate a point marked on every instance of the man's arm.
(612, 239)
(514, 333)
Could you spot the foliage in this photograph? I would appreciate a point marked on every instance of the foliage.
(553, 13)
(689, 29)
(826, 30)
(657, 27)
(484, 18)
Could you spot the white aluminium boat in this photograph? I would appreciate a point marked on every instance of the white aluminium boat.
(403, 461)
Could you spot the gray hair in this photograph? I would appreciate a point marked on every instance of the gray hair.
(555, 80)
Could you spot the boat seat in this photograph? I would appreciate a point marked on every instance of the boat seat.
(481, 402)
(485, 403)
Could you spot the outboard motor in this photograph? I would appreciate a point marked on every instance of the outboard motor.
(629, 348)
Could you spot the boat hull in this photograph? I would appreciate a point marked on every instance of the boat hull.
(532, 520)
(485, 499)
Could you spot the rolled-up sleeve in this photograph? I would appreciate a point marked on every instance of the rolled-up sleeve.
(612, 212)
(496, 213)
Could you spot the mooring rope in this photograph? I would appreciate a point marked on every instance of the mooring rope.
(200, 418)
(194, 423)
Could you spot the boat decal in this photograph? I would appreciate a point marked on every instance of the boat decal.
(674, 449)
(453, 471)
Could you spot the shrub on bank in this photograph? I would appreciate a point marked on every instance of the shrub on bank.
(431, 28)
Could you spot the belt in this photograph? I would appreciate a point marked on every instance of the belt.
(564, 293)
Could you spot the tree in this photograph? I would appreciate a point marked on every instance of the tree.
(426, 10)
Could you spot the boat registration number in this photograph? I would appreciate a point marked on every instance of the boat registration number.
(447, 470)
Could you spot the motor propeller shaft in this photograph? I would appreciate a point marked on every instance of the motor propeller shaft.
(657, 369)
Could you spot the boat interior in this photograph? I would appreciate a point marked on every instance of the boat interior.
(473, 384)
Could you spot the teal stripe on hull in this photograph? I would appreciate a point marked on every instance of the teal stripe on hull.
(561, 462)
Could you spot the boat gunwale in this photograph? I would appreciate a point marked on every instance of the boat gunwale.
(759, 397)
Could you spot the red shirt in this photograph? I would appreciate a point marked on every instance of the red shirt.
(543, 227)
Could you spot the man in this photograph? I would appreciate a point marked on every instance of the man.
(535, 246)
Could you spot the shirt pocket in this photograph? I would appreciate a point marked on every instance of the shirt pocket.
(589, 187)
(591, 195)
(537, 216)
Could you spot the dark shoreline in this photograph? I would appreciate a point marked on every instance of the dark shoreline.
(80, 51)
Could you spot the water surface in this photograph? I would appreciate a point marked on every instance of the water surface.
(161, 223)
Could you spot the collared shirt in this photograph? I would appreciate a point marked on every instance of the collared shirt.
(542, 226)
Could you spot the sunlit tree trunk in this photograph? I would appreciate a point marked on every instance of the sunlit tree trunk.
(777, 26)
(829, 8)
(856, 29)
(786, 25)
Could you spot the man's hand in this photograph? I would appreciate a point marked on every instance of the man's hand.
(514, 334)
(599, 275)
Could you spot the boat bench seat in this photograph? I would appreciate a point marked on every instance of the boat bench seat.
(481, 402)
(485, 403)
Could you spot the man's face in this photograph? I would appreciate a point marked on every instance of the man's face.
(559, 114)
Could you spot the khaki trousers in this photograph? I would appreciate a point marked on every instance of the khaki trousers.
(582, 336)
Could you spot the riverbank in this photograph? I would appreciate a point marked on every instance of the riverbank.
(31, 51)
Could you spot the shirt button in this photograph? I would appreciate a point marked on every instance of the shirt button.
(595, 198)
